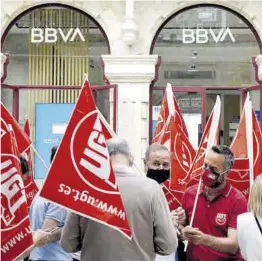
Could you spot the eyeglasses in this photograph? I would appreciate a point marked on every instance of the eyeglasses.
(212, 168)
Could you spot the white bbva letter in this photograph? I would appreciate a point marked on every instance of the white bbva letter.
(37, 35)
(188, 36)
(201, 36)
(50, 35)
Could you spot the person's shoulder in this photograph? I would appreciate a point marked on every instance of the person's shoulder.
(245, 217)
(39, 201)
(131, 178)
(147, 182)
(245, 222)
(237, 194)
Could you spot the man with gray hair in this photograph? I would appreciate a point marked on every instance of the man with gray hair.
(157, 167)
(213, 235)
(147, 212)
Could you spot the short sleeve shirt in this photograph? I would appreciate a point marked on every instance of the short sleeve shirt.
(40, 210)
(213, 218)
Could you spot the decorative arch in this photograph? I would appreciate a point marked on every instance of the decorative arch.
(233, 9)
(17, 15)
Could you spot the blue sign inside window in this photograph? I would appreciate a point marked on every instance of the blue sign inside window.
(50, 125)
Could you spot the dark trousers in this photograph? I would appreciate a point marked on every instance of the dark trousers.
(180, 251)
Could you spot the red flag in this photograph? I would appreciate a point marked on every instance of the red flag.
(171, 122)
(257, 147)
(179, 118)
(209, 138)
(23, 141)
(31, 188)
(168, 109)
(15, 226)
(246, 147)
(182, 156)
(172, 197)
(81, 177)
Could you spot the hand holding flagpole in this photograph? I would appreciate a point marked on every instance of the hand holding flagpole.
(194, 209)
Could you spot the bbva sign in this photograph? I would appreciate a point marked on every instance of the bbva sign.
(203, 35)
(50, 35)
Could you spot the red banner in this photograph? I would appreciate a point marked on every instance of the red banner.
(209, 138)
(179, 117)
(31, 188)
(173, 198)
(182, 157)
(171, 124)
(81, 177)
(23, 141)
(239, 176)
(15, 226)
(257, 146)
(167, 109)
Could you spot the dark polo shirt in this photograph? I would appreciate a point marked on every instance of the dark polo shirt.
(213, 218)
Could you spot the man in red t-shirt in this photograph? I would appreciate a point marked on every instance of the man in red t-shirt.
(213, 235)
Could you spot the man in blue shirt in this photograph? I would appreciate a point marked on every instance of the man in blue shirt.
(47, 220)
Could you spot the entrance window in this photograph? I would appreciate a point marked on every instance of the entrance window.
(206, 45)
(54, 46)
(208, 48)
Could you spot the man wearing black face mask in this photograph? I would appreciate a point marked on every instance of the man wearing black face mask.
(213, 234)
(157, 167)
(157, 163)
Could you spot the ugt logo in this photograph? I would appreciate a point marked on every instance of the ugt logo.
(12, 192)
(90, 155)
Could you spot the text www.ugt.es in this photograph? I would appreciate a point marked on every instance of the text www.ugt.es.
(85, 197)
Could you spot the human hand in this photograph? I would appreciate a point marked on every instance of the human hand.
(40, 237)
(179, 215)
(174, 218)
(194, 235)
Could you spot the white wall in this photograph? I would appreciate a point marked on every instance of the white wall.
(149, 15)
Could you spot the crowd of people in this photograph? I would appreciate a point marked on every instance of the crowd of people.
(223, 227)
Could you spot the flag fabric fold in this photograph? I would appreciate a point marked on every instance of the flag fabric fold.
(81, 177)
(31, 188)
(16, 234)
(246, 147)
(171, 131)
(23, 141)
(210, 137)
(182, 156)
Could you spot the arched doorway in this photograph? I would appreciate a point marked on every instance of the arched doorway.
(207, 50)
(53, 45)
(50, 48)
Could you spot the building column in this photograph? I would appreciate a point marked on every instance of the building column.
(133, 74)
(259, 67)
(4, 63)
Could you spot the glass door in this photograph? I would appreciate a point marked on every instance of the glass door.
(256, 98)
(230, 112)
(192, 103)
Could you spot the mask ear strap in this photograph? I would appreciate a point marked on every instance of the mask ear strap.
(222, 173)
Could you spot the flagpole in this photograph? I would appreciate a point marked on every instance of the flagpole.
(194, 208)
(212, 140)
(249, 134)
(40, 158)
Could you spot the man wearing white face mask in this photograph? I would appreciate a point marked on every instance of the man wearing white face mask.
(213, 235)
